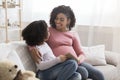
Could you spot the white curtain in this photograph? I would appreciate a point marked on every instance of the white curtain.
(87, 12)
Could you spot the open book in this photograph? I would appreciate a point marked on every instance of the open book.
(70, 56)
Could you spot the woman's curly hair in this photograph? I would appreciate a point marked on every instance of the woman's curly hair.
(66, 10)
(35, 33)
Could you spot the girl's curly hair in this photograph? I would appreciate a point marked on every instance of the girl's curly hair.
(35, 33)
(66, 10)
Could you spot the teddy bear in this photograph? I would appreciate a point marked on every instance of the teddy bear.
(9, 71)
(25, 75)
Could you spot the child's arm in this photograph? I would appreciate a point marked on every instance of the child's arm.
(46, 64)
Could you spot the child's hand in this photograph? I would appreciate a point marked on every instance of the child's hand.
(63, 58)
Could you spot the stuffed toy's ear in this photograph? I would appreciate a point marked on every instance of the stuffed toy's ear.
(19, 76)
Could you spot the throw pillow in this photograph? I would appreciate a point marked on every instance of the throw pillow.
(21, 48)
(95, 55)
(112, 57)
(13, 56)
(4, 50)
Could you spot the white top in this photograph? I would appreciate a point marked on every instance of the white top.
(47, 56)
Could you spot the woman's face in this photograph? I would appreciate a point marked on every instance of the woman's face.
(61, 22)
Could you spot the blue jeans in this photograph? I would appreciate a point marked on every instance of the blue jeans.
(61, 71)
(88, 71)
(75, 76)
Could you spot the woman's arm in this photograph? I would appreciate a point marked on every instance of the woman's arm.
(77, 48)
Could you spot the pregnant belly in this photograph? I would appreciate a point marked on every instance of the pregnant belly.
(63, 50)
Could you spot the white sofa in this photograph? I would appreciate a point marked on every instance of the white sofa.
(21, 56)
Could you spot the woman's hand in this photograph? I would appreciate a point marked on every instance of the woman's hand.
(81, 58)
(63, 58)
(35, 54)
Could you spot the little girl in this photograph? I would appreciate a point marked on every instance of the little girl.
(49, 67)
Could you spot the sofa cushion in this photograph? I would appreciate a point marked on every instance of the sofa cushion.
(112, 58)
(21, 48)
(13, 56)
(7, 53)
(110, 72)
(95, 55)
(4, 50)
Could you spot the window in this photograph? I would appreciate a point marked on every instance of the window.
(87, 12)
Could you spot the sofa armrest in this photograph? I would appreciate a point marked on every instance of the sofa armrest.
(112, 58)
